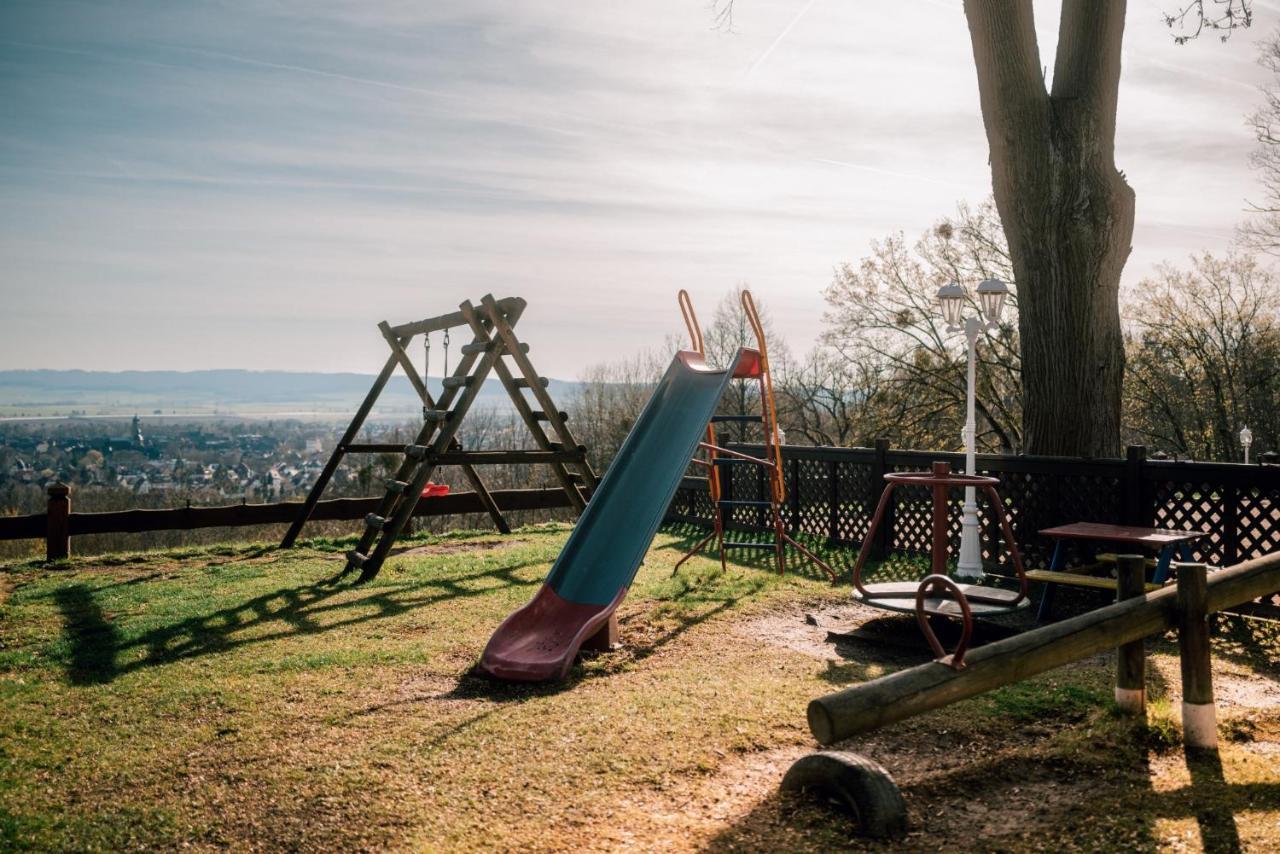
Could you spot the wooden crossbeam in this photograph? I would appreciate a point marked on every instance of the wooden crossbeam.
(510, 306)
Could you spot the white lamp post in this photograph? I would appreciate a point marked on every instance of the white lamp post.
(1246, 442)
(991, 297)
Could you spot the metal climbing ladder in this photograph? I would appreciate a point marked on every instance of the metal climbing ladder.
(719, 457)
(436, 444)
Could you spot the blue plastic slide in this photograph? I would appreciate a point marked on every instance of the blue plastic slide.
(540, 641)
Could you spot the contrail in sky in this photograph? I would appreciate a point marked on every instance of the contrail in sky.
(782, 35)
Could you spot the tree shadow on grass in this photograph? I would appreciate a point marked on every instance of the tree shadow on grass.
(93, 639)
(97, 645)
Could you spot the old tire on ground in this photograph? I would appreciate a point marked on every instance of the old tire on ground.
(865, 787)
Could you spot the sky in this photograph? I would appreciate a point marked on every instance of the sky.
(256, 184)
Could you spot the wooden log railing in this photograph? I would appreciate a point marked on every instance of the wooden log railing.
(58, 524)
(911, 692)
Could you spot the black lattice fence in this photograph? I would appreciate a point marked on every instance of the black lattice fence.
(832, 495)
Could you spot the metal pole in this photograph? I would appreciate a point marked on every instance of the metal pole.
(969, 562)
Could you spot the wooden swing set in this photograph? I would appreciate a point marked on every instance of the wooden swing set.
(492, 326)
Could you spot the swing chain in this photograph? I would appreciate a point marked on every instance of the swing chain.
(426, 367)
(446, 352)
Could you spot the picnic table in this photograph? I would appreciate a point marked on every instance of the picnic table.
(1164, 542)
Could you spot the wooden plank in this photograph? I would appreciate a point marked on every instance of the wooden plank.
(1110, 558)
(1075, 579)
(510, 306)
(27, 527)
(910, 692)
(377, 448)
(1152, 537)
(516, 457)
(245, 515)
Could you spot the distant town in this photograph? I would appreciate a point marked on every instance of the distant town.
(163, 438)
(137, 462)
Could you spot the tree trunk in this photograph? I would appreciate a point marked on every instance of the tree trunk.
(1067, 212)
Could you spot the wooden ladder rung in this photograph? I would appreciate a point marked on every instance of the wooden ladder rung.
(539, 415)
(355, 558)
(521, 382)
(457, 382)
(397, 486)
(416, 452)
(436, 415)
(373, 520)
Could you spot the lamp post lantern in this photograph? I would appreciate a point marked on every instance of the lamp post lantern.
(991, 298)
(1246, 441)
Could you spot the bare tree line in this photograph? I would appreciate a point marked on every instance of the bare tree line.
(1202, 342)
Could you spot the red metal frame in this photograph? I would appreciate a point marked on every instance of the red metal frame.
(942, 480)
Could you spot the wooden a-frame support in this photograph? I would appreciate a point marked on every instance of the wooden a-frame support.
(492, 328)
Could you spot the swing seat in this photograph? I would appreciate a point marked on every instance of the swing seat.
(434, 490)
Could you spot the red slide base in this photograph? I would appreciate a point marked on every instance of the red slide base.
(539, 642)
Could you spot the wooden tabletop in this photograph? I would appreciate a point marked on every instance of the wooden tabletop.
(1153, 537)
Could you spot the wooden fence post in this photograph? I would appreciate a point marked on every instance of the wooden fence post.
(57, 537)
(879, 468)
(1134, 511)
(1131, 662)
(1199, 717)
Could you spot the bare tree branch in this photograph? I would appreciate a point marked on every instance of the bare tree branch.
(1223, 17)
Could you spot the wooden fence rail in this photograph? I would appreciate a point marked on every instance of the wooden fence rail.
(58, 524)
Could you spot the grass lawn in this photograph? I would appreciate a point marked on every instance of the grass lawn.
(232, 697)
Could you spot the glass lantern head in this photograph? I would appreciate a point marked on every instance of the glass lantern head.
(1246, 436)
(951, 298)
(991, 294)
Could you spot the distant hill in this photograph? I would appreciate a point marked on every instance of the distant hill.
(222, 392)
